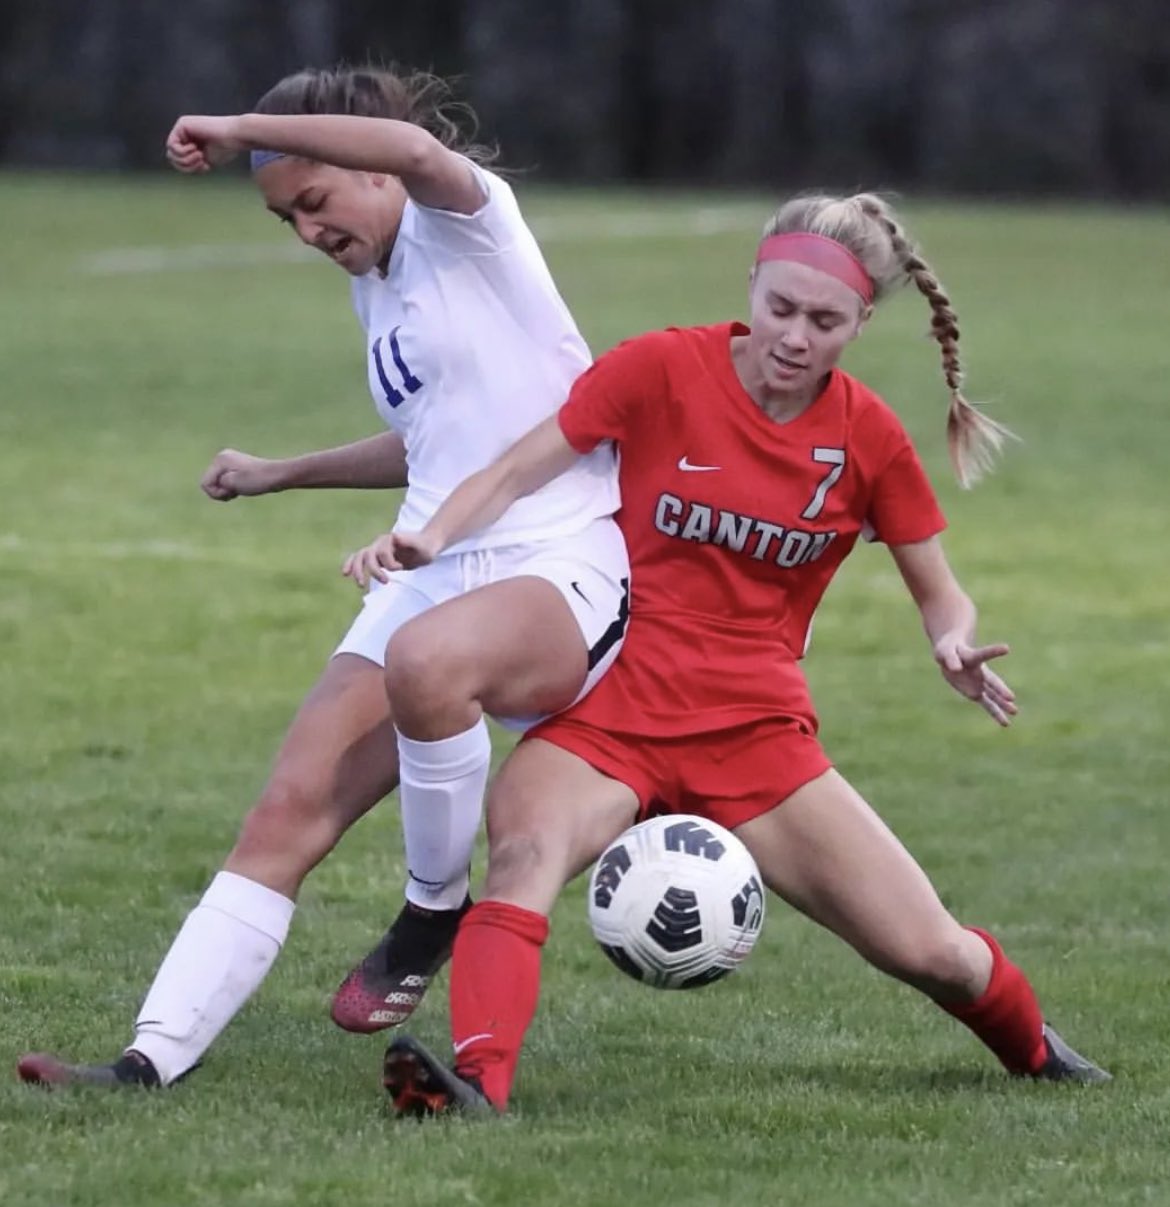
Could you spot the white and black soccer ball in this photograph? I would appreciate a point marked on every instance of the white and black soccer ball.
(676, 902)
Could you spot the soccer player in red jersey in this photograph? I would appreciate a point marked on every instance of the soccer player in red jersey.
(750, 465)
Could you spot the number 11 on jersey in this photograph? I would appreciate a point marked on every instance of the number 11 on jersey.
(410, 383)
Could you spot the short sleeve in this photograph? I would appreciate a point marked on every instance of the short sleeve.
(493, 228)
(612, 398)
(903, 508)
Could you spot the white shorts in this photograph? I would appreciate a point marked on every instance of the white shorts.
(590, 569)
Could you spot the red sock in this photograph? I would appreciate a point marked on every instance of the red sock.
(1006, 1017)
(495, 983)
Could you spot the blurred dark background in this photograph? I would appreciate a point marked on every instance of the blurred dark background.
(949, 96)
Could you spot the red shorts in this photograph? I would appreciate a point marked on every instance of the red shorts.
(727, 775)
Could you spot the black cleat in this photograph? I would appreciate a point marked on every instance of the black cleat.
(131, 1069)
(1063, 1064)
(420, 1085)
(386, 987)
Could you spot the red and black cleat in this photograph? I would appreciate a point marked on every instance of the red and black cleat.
(131, 1069)
(385, 989)
(420, 1085)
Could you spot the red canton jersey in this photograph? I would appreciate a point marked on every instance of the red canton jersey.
(735, 525)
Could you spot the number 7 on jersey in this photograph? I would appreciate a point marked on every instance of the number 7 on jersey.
(835, 459)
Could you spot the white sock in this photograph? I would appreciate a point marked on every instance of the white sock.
(218, 959)
(441, 788)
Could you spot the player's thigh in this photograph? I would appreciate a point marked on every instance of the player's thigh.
(388, 606)
(591, 572)
(514, 646)
(550, 814)
(825, 851)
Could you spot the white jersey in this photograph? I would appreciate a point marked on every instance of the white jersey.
(469, 345)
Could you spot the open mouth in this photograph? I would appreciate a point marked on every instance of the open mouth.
(338, 247)
(791, 365)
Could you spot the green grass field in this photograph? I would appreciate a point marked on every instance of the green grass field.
(154, 646)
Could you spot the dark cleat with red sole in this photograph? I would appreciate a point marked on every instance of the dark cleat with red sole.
(385, 989)
(420, 1085)
(131, 1070)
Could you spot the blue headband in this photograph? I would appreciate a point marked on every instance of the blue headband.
(259, 158)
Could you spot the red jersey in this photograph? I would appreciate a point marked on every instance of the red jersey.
(735, 525)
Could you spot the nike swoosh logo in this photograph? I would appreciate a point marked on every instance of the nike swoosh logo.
(685, 465)
(470, 1040)
(577, 587)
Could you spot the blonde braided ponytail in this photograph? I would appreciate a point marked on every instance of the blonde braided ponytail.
(974, 439)
(868, 227)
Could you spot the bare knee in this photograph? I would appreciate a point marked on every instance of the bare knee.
(429, 677)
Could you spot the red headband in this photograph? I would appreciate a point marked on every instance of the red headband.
(825, 255)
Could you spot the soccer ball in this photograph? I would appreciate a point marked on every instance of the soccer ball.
(676, 902)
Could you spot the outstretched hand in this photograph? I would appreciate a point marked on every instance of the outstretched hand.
(393, 551)
(198, 144)
(965, 668)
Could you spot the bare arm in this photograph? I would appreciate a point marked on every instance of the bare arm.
(944, 606)
(375, 463)
(433, 175)
(949, 617)
(476, 503)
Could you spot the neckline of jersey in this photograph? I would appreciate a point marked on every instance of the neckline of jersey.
(397, 251)
(746, 405)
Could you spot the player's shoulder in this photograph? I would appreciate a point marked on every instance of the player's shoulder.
(642, 368)
(499, 211)
(670, 345)
(702, 338)
(644, 348)
(867, 410)
(498, 194)
(876, 431)
(495, 186)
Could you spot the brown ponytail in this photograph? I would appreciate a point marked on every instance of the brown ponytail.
(409, 96)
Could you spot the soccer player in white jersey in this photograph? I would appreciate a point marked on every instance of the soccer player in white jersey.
(468, 346)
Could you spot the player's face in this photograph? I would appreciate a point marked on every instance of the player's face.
(801, 320)
(351, 217)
